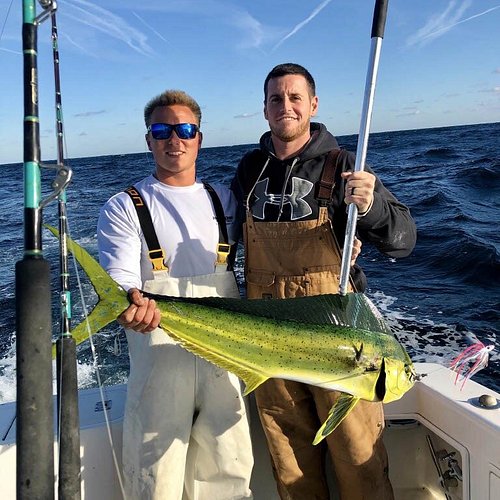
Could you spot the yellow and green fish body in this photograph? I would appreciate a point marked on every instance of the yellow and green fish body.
(256, 348)
(332, 341)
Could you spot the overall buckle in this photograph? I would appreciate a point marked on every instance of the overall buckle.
(157, 258)
(223, 250)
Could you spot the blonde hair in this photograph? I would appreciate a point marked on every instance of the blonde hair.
(170, 98)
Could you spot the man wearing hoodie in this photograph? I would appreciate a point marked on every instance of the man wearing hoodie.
(295, 190)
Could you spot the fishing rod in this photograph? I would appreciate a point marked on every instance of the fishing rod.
(377, 34)
(34, 407)
(69, 486)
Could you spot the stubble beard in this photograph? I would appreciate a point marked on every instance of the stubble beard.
(287, 134)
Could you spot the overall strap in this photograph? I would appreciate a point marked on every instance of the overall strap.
(324, 188)
(156, 253)
(223, 247)
(324, 192)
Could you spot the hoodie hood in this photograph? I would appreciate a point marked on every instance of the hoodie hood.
(320, 143)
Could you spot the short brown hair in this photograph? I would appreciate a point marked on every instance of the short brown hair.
(170, 98)
(290, 69)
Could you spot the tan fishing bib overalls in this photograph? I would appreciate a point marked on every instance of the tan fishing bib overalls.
(293, 259)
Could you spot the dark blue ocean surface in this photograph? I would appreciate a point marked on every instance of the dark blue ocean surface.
(438, 301)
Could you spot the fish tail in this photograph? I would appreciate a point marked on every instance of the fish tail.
(112, 298)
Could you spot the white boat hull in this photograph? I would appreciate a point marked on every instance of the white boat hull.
(465, 437)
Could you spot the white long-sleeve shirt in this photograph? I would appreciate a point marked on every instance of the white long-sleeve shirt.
(184, 221)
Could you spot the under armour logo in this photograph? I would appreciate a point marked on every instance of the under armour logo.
(300, 189)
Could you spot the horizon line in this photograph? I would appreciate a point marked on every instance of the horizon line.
(256, 143)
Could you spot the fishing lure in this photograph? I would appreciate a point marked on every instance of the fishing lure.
(476, 354)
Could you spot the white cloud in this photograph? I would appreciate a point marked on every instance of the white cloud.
(412, 113)
(253, 34)
(248, 115)
(299, 26)
(494, 90)
(440, 23)
(89, 113)
(11, 51)
(156, 32)
(104, 22)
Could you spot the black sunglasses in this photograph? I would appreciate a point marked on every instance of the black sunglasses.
(162, 131)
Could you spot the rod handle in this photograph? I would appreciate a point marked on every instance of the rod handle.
(379, 17)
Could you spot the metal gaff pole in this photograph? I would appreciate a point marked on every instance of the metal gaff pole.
(378, 26)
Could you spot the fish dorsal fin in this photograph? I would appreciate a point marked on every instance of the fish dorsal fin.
(342, 407)
(249, 376)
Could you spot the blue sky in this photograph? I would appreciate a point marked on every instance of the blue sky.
(440, 65)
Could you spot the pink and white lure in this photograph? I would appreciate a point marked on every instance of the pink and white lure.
(476, 354)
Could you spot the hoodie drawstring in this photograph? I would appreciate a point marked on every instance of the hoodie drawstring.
(247, 202)
(283, 189)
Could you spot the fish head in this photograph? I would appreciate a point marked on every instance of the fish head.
(398, 377)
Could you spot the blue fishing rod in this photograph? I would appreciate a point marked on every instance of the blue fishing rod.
(34, 427)
(68, 419)
(377, 34)
(34, 407)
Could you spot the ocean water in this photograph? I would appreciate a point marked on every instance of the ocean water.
(438, 301)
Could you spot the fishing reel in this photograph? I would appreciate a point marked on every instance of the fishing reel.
(49, 7)
(62, 179)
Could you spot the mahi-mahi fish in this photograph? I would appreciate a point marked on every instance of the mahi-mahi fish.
(332, 341)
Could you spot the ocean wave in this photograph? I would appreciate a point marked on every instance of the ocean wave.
(434, 154)
(478, 176)
(429, 341)
(458, 258)
(435, 199)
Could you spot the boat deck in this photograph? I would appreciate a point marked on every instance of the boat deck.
(465, 439)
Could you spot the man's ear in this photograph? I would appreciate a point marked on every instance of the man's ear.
(200, 139)
(314, 105)
(265, 110)
(148, 141)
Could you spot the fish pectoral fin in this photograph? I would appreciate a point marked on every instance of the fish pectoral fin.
(251, 378)
(358, 352)
(338, 412)
(252, 381)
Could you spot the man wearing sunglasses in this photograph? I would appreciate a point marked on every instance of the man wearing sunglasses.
(295, 190)
(186, 432)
